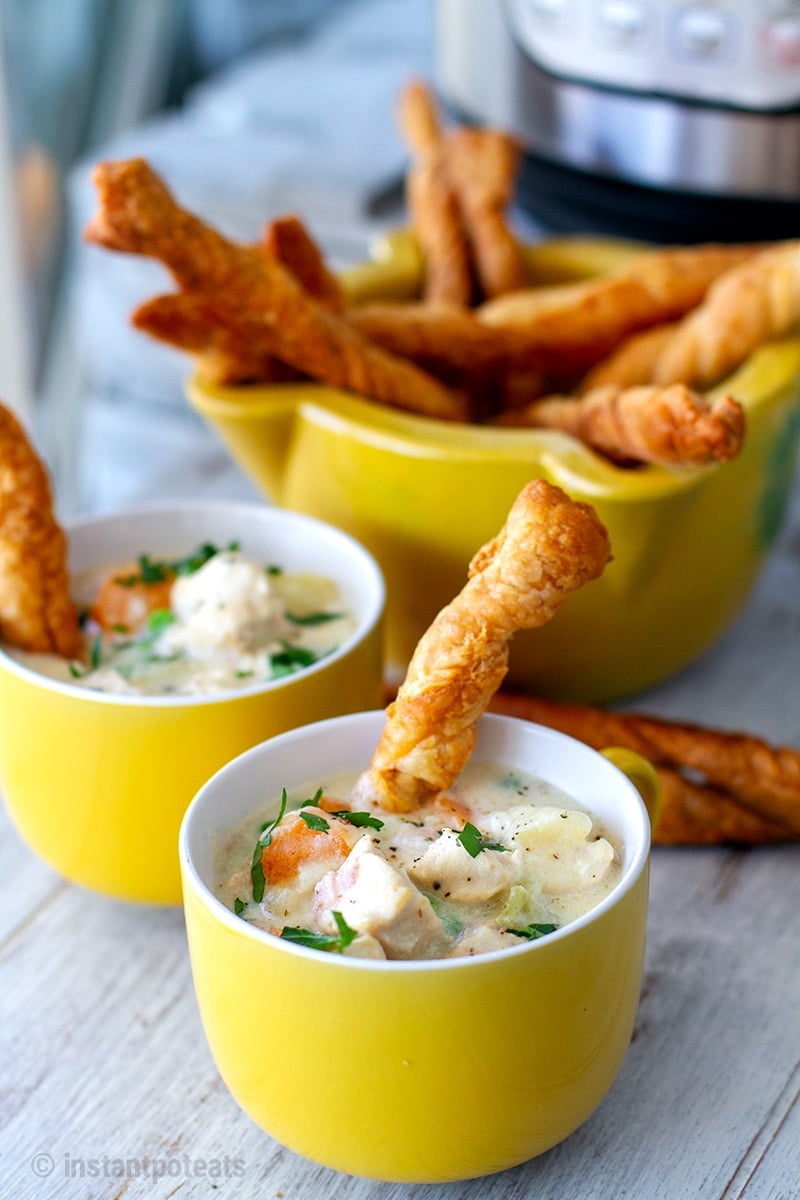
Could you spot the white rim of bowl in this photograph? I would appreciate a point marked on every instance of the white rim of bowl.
(329, 961)
(363, 630)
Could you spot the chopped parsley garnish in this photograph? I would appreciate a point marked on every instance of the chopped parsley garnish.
(198, 558)
(314, 618)
(334, 943)
(536, 930)
(264, 839)
(156, 570)
(239, 906)
(159, 619)
(315, 821)
(95, 654)
(311, 801)
(361, 820)
(96, 651)
(150, 571)
(290, 658)
(257, 874)
(473, 841)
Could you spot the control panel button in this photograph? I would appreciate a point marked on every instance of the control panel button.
(702, 31)
(536, 21)
(623, 17)
(548, 10)
(702, 34)
(624, 27)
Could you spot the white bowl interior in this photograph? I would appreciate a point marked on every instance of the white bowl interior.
(312, 754)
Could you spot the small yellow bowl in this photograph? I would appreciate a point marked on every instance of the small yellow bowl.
(418, 1071)
(97, 783)
(423, 495)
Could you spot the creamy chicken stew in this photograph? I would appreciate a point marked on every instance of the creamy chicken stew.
(502, 858)
(213, 621)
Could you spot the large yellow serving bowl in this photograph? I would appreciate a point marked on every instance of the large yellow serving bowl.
(97, 783)
(418, 1071)
(423, 495)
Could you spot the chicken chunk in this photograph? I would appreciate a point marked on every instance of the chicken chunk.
(447, 868)
(374, 898)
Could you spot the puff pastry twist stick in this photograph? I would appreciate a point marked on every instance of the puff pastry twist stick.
(432, 203)
(36, 612)
(669, 426)
(287, 240)
(482, 164)
(748, 305)
(549, 546)
(631, 364)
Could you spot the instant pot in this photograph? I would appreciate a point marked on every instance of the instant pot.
(673, 120)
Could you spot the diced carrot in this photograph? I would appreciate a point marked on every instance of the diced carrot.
(124, 606)
(294, 844)
(332, 804)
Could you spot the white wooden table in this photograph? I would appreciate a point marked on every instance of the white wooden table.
(108, 1089)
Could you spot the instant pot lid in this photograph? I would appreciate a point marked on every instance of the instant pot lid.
(627, 158)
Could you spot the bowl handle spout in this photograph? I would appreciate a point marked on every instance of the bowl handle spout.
(256, 426)
(642, 775)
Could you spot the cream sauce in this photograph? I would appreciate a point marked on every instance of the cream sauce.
(500, 859)
(231, 623)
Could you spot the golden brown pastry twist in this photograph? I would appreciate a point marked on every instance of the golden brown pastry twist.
(549, 546)
(36, 612)
(671, 426)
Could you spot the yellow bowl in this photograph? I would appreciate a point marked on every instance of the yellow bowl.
(97, 783)
(417, 1071)
(423, 495)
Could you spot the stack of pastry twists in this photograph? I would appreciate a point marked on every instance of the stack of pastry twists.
(619, 361)
(549, 546)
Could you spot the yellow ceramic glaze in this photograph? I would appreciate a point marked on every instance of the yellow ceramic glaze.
(423, 495)
(97, 784)
(417, 1071)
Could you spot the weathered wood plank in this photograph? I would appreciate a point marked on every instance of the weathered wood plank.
(26, 881)
(114, 1068)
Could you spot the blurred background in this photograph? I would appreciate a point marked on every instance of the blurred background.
(249, 109)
